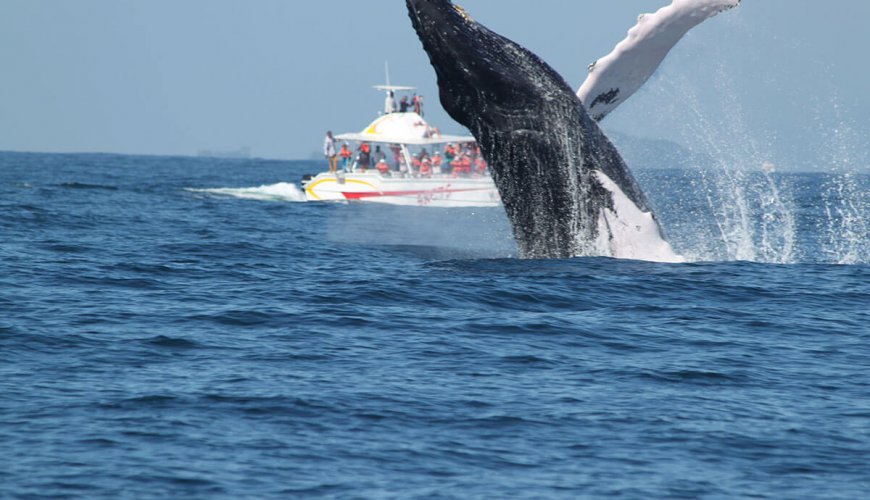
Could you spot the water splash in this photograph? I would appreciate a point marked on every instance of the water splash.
(734, 204)
(282, 191)
(844, 229)
(746, 210)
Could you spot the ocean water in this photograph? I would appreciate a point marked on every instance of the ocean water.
(184, 328)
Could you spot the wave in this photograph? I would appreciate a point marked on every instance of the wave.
(84, 185)
(282, 191)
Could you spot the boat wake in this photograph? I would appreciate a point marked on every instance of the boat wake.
(282, 191)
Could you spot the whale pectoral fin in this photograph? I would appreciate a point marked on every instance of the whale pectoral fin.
(634, 60)
(608, 97)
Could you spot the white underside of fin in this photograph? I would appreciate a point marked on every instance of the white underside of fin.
(618, 75)
(627, 232)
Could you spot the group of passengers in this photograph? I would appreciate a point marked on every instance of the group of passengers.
(462, 159)
(365, 158)
(404, 105)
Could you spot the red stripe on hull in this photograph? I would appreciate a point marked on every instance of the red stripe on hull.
(359, 196)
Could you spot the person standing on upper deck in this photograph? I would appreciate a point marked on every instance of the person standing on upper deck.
(390, 103)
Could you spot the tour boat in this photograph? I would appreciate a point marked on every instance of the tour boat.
(409, 176)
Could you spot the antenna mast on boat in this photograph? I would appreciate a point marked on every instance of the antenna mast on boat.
(390, 87)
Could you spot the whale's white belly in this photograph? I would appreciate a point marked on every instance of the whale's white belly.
(627, 232)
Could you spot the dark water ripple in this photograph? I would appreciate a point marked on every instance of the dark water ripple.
(160, 344)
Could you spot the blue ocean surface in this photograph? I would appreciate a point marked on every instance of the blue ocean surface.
(185, 328)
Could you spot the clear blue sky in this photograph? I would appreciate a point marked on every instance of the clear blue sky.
(176, 77)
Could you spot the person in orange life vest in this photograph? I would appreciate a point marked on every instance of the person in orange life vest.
(426, 167)
(457, 165)
(480, 165)
(465, 164)
(364, 160)
(345, 155)
(383, 167)
(418, 160)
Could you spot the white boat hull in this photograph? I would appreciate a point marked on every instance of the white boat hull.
(372, 187)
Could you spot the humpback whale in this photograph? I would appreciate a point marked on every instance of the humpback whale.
(565, 188)
(616, 76)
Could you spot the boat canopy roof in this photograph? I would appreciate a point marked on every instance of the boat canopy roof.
(402, 128)
(397, 88)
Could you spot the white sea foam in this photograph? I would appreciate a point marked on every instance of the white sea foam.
(282, 191)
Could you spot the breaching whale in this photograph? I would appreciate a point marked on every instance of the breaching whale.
(565, 188)
(616, 76)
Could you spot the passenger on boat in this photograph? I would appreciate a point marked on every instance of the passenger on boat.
(329, 152)
(383, 167)
(346, 154)
(397, 155)
(404, 105)
(424, 155)
(379, 155)
(461, 166)
(480, 165)
(417, 102)
(426, 167)
(466, 164)
(364, 159)
(417, 161)
(432, 131)
(390, 103)
(450, 153)
(437, 161)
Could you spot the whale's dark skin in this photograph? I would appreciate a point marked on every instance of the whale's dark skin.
(541, 144)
